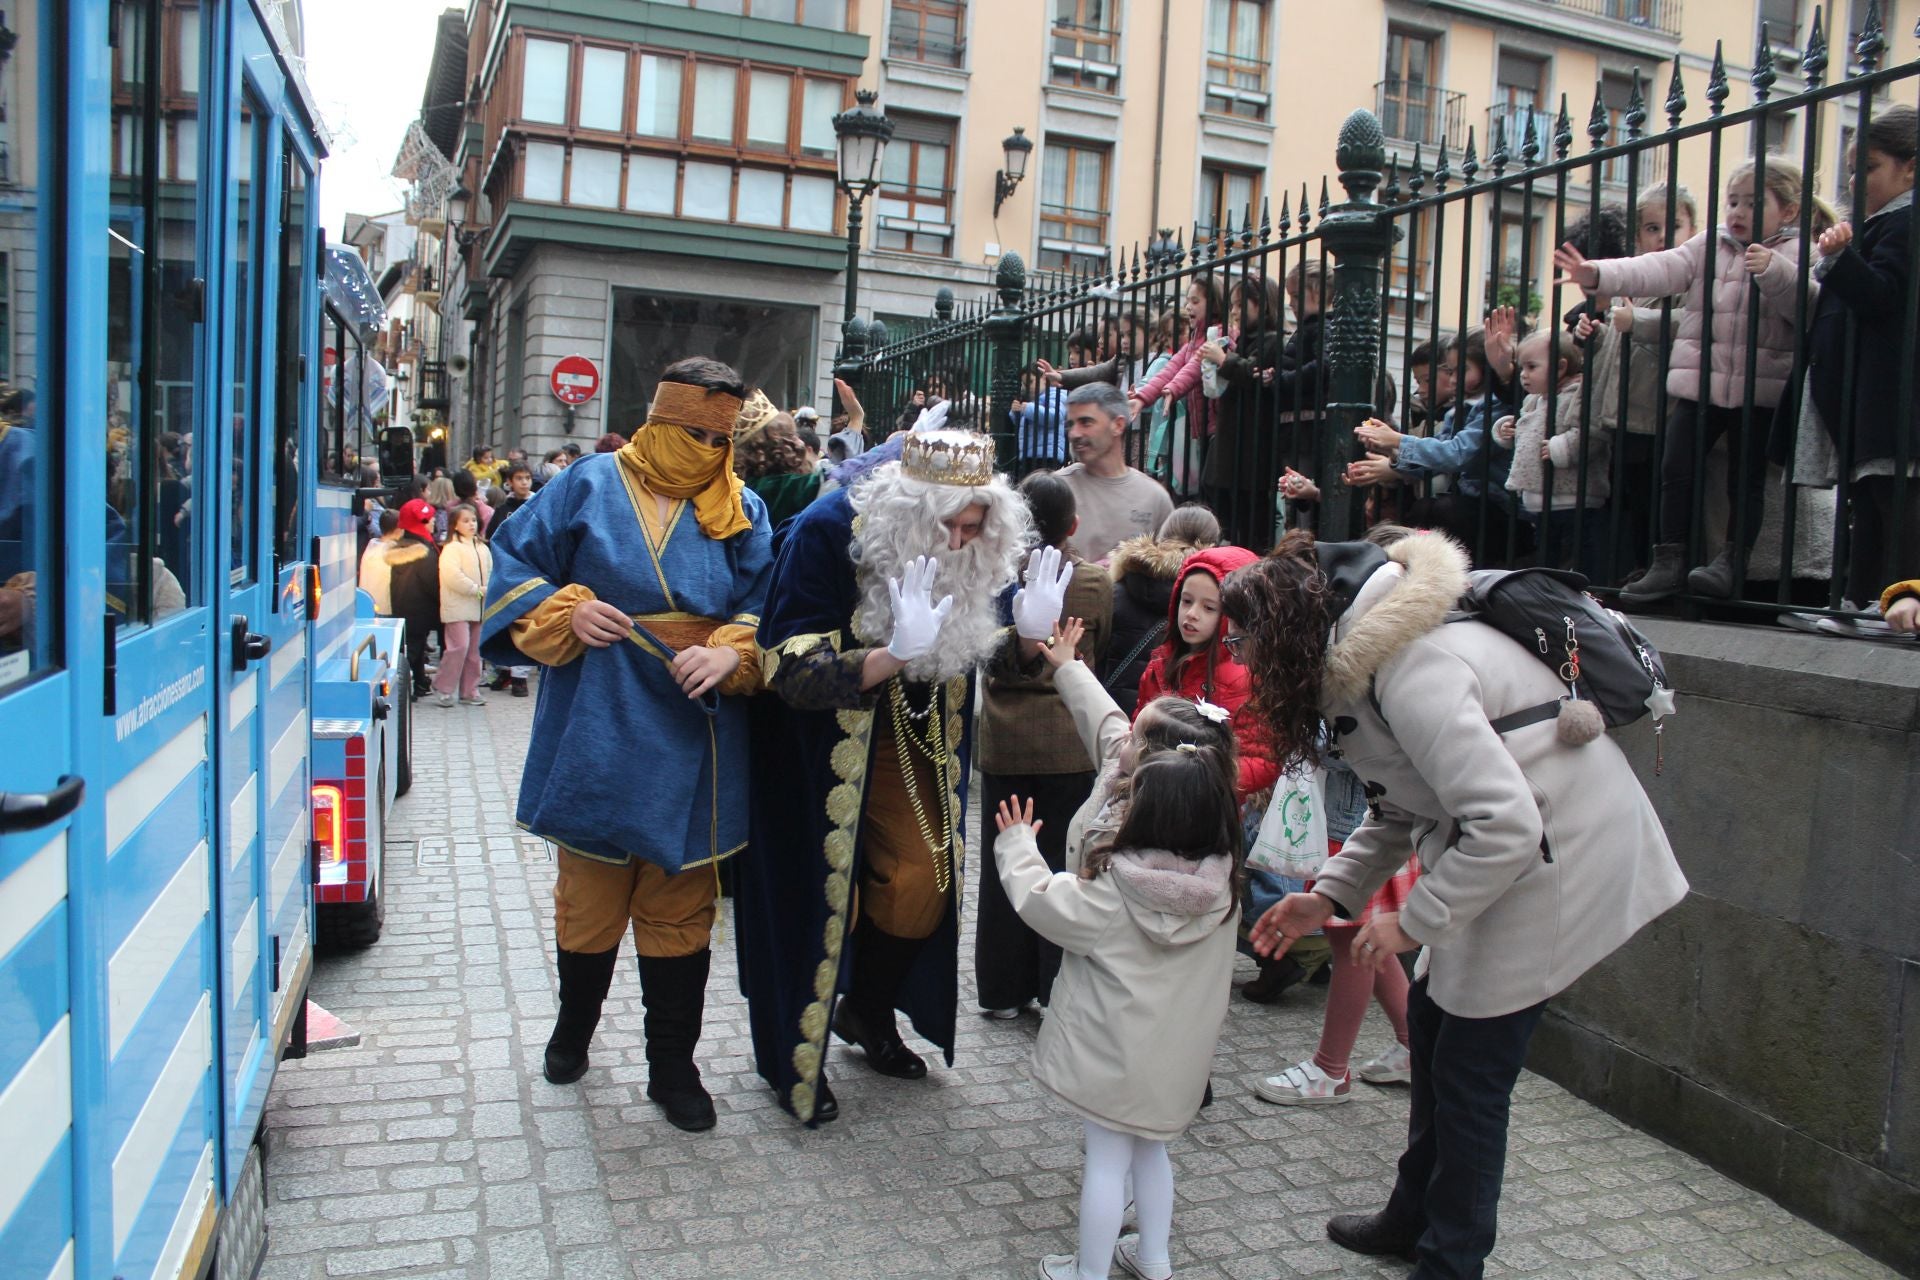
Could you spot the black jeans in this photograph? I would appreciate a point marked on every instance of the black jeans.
(1448, 1189)
(1881, 554)
(1746, 468)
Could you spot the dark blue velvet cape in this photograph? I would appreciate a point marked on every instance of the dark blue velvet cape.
(812, 748)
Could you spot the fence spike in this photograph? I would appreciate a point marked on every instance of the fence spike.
(1562, 131)
(1676, 97)
(1266, 219)
(1325, 204)
(1470, 165)
(1814, 61)
(1636, 110)
(1598, 126)
(1417, 179)
(1530, 140)
(1872, 42)
(1306, 209)
(1442, 172)
(1286, 214)
(1717, 86)
(1390, 192)
(1498, 156)
(1246, 227)
(1763, 73)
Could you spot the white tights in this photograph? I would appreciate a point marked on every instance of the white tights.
(1111, 1157)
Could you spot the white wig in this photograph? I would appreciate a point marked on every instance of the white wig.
(902, 518)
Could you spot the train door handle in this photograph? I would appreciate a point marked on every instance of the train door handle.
(28, 810)
(248, 646)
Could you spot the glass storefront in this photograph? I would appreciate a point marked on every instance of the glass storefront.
(772, 347)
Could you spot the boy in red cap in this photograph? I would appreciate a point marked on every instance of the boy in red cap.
(416, 584)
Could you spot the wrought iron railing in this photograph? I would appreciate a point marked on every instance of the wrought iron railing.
(1422, 114)
(1646, 474)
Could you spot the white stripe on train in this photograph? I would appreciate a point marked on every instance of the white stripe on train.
(138, 1161)
(35, 888)
(133, 799)
(35, 1110)
(141, 963)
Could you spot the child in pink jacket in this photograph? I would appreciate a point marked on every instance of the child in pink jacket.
(1755, 247)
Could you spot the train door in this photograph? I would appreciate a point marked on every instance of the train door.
(50, 635)
(260, 678)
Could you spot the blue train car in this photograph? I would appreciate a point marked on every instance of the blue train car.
(161, 617)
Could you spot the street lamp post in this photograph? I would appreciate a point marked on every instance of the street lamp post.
(862, 133)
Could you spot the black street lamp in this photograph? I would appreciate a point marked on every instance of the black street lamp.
(863, 134)
(1014, 150)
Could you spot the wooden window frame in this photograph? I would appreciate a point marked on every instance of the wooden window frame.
(1213, 179)
(849, 12)
(1223, 65)
(916, 50)
(1071, 214)
(1420, 100)
(790, 161)
(945, 188)
(1093, 64)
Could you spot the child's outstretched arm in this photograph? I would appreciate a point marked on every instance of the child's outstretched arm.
(1054, 904)
(1101, 723)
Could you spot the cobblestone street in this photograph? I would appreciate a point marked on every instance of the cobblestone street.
(434, 1148)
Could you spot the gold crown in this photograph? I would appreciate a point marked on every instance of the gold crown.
(948, 457)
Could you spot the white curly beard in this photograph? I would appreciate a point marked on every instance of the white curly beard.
(902, 519)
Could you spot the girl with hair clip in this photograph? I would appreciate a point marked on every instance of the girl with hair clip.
(1145, 915)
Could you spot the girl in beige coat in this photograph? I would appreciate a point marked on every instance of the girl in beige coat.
(1147, 926)
(465, 565)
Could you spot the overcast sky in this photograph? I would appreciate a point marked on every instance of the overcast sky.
(367, 66)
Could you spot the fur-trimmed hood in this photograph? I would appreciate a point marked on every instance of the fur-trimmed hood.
(1404, 599)
(1149, 557)
(1173, 900)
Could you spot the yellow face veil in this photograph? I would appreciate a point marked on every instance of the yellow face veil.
(671, 462)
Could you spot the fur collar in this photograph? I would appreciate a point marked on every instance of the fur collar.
(1147, 556)
(1167, 882)
(1380, 623)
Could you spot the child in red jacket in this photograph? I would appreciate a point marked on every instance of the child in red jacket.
(1194, 664)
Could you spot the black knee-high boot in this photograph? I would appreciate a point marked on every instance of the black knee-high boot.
(881, 962)
(674, 990)
(584, 979)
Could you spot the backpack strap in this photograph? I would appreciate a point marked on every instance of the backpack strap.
(1151, 639)
(1531, 716)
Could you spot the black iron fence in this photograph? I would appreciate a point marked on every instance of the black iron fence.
(1412, 353)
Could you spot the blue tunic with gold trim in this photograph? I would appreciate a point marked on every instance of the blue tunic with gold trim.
(813, 749)
(621, 763)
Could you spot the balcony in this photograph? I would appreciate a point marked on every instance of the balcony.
(911, 45)
(1084, 57)
(1508, 120)
(1643, 28)
(432, 384)
(1422, 114)
(1655, 15)
(424, 281)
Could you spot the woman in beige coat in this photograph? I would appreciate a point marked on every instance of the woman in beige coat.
(1539, 858)
(1147, 925)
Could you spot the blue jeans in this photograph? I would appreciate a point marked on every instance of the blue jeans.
(1448, 1189)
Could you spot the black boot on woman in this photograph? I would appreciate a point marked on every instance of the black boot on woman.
(584, 979)
(674, 990)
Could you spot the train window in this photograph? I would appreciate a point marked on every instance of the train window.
(248, 165)
(288, 464)
(155, 300)
(32, 567)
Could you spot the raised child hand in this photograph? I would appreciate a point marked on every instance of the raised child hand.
(1065, 645)
(1758, 256)
(1015, 814)
(1836, 238)
(1503, 432)
(1575, 269)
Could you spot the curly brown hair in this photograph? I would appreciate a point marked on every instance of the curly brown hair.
(1280, 603)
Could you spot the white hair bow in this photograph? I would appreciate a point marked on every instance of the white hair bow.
(1212, 711)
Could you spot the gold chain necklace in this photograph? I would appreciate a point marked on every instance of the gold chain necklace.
(934, 748)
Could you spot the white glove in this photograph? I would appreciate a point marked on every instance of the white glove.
(1037, 606)
(933, 417)
(916, 619)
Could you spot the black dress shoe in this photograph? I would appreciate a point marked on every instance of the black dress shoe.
(886, 1052)
(1372, 1234)
(826, 1107)
(687, 1105)
(565, 1064)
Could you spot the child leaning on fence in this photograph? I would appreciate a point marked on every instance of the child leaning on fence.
(1550, 368)
(1757, 247)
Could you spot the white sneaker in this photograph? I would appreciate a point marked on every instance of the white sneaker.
(1304, 1085)
(443, 700)
(475, 701)
(1002, 1015)
(1060, 1266)
(1127, 1253)
(1394, 1066)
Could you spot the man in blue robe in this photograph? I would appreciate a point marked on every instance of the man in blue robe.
(882, 603)
(636, 578)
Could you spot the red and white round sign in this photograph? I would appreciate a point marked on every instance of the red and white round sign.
(575, 380)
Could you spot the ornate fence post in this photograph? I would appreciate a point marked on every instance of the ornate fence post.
(1358, 232)
(1006, 334)
(851, 364)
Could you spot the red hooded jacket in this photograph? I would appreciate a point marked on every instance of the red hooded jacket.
(1214, 675)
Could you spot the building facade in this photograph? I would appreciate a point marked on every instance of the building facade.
(653, 178)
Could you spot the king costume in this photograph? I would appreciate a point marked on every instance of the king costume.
(641, 789)
(850, 892)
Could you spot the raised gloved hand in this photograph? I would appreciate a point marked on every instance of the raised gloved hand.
(933, 417)
(916, 618)
(1037, 606)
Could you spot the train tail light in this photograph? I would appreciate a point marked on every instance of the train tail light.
(329, 824)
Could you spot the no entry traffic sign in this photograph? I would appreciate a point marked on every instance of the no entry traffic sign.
(574, 380)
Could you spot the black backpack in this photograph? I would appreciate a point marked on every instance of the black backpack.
(1602, 658)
